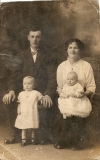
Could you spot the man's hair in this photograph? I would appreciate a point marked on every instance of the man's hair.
(34, 27)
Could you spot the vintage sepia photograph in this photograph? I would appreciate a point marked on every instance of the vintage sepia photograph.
(50, 80)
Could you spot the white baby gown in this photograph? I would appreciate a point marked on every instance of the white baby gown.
(29, 117)
(74, 106)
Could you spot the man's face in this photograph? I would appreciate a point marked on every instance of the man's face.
(34, 37)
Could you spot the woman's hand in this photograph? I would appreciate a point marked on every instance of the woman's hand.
(9, 97)
(87, 93)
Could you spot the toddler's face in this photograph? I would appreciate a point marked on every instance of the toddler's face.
(28, 84)
(71, 80)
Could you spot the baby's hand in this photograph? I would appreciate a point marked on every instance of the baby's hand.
(73, 95)
(62, 95)
(81, 94)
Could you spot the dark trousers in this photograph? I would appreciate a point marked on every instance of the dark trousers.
(11, 114)
(44, 125)
(69, 131)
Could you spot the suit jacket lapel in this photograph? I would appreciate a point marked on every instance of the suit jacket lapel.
(28, 55)
(28, 63)
(38, 62)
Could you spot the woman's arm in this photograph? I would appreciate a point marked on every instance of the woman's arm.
(86, 93)
(90, 82)
(59, 79)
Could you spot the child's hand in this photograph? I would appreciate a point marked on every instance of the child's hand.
(18, 101)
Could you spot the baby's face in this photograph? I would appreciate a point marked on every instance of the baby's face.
(28, 84)
(71, 80)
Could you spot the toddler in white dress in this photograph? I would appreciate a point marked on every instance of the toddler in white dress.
(28, 116)
(70, 101)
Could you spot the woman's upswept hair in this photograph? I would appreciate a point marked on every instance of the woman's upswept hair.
(77, 41)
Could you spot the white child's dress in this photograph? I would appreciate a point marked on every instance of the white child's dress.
(29, 117)
(74, 106)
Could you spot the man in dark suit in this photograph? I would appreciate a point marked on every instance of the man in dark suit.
(33, 62)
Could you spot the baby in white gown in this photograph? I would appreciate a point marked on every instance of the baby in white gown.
(28, 115)
(70, 101)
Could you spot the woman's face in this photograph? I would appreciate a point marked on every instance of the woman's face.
(73, 50)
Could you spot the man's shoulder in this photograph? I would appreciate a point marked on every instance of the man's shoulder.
(25, 51)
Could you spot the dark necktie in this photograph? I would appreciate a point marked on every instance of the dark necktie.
(33, 53)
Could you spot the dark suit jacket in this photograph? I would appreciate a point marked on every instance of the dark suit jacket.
(43, 70)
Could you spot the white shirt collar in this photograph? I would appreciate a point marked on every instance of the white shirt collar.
(35, 55)
(33, 50)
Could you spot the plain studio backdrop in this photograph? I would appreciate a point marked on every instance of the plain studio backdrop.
(60, 21)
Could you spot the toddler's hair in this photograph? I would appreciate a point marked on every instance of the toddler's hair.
(31, 78)
(73, 73)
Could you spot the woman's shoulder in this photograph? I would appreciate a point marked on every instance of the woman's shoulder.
(85, 63)
(62, 64)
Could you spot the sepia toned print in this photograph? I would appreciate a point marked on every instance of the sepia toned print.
(56, 22)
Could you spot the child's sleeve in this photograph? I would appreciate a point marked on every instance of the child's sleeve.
(19, 106)
(19, 109)
(79, 90)
(64, 89)
(40, 96)
(18, 98)
(64, 94)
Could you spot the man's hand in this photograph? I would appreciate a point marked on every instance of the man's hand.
(9, 97)
(46, 101)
